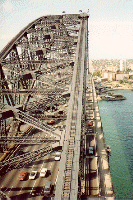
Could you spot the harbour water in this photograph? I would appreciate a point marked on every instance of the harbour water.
(117, 122)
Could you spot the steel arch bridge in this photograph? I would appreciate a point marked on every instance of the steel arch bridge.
(48, 57)
(43, 84)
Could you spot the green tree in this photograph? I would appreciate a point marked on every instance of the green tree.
(125, 80)
(120, 81)
(131, 77)
(130, 82)
(97, 73)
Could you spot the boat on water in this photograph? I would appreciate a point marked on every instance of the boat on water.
(113, 97)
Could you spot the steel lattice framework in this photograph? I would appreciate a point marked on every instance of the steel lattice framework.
(34, 62)
(47, 61)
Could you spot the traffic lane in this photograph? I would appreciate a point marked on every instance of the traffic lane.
(55, 172)
(87, 176)
(94, 182)
(52, 168)
(53, 178)
(90, 145)
(33, 147)
(40, 183)
(28, 184)
(7, 183)
(28, 148)
(93, 141)
(31, 185)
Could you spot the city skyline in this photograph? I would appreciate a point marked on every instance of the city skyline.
(110, 22)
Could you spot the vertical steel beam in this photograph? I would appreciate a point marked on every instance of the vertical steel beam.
(76, 96)
(80, 115)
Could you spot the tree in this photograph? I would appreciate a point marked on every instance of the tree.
(130, 82)
(120, 81)
(131, 77)
(97, 73)
(125, 80)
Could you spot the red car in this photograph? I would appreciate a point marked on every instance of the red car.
(22, 175)
(90, 123)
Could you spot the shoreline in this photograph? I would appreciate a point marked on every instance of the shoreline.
(115, 85)
(99, 98)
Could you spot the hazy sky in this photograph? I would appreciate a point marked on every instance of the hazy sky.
(110, 22)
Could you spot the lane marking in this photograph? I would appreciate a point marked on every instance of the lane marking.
(21, 190)
(34, 183)
(33, 186)
(10, 190)
(51, 165)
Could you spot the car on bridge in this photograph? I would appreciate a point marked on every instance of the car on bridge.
(43, 172)
(57, 156)
(33, 175)
(36, 191)
(48, 187)
(91, 150)
(22, 176)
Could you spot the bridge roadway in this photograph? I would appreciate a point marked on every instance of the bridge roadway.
(98, 180)
(16, 189)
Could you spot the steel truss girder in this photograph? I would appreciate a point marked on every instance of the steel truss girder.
(11, 48)
(34, 122)
(4, 196)
(22, 116)
(25, 140)
(25, 158)
(5, 85)
(10, 45)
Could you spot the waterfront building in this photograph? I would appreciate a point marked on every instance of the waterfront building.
(121, 65)
(125, 65)
(121, 76)
(110, 76)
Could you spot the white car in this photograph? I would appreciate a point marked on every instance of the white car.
(43, 172)
(57, 156)
(33, 175)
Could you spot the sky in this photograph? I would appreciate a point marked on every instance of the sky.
(110, 22)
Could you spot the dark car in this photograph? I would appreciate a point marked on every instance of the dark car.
(37, 191)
